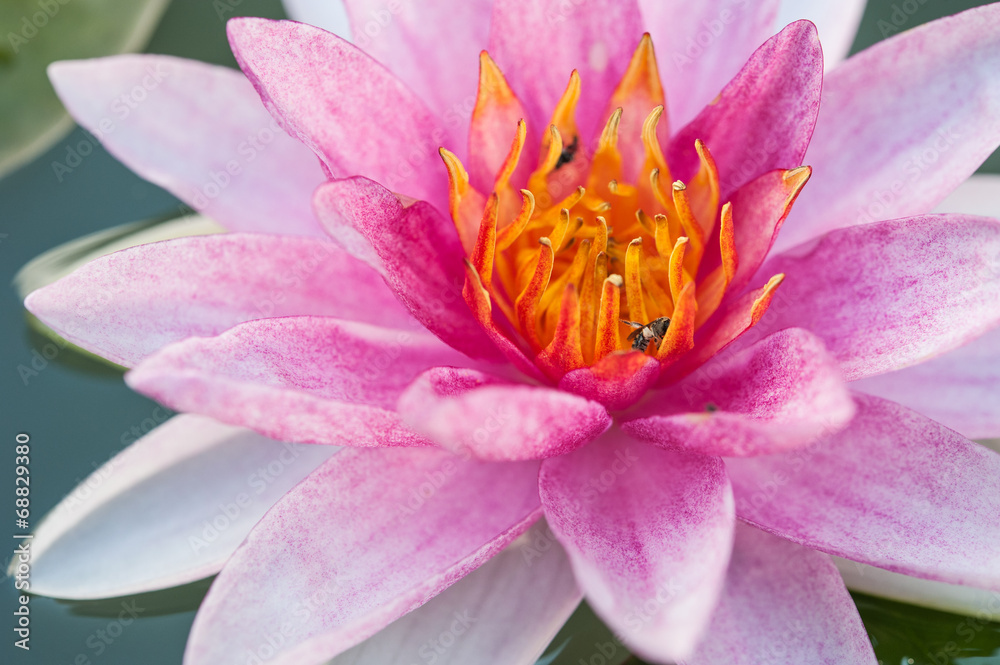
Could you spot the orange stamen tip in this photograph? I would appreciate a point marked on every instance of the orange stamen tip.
(798, 176)
(641, 76)
(649, 125)
(763, 301)
(453, 163)
(609, 135)
(492, 83)
(565, 110)
(458, 177)
(615, 280)
(546, 242)
(513, 156)
(678, 186)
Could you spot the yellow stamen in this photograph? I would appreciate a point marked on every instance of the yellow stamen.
(608, 319)
(595, 237)
(507, 235)
(465, 203)
(677, 275)
(564, 353)
(633, 282)
(527, 302)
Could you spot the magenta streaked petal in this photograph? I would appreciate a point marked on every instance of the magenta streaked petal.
(902, 124)
(200, 132)
(432, 47)
(479, 414)
(782, 393)
(368, 537)
(960, 389)
(764, 117)
(702, 46)
(220, 480)
(617, 381)
(418, 252)
(538, 43)
(126, 305)
(891, 294)
(485, 612)
(836, 20)
(801, 612)
(893, 489)
(649, 534)
(304, 379)
(355, 115)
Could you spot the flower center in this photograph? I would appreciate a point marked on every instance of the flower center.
(598, 253)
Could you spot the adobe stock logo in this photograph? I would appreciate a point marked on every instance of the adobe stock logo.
(30, 26)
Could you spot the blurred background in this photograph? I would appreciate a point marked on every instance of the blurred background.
(78, 410)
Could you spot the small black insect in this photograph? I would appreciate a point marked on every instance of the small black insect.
(645, 333)
(567, 154)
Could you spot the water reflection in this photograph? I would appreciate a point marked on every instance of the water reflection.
(155, 603)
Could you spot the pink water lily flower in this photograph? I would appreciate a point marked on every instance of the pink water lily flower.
(520, 194)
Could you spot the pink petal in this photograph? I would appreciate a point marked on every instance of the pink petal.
(538, 43)
(837, 21)
(894, 490)
(903, 124)
(485, 612)
(479, 414)
(200, 132)
(782, 393)
(432, 47)
(960, 389)
(368, 537)
(617, 381)
(760, 208)
(115, 535)
(702, 46)
(416, 249)
(886, 295)
(126, 305)
(648, 533)
(783, 605)
(764, 117)
(353, 113)
(305, 379)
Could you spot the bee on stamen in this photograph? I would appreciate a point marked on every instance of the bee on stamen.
(645, 333)
(567, 154)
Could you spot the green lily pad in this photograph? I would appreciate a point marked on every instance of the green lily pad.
(34, 33)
